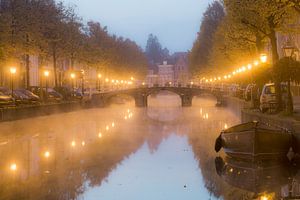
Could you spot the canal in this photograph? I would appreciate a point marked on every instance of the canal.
(163, 152)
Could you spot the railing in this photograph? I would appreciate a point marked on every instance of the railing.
(209, 88)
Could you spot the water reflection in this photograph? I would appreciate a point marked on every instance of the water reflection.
(59, 153)
(262, 179)
(121, 152)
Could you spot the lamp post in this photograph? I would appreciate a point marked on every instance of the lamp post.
(289, 53)
(13, 71)
(99, 82)
(73, 76)
(82, 82)
(106, 84)
(46, 74)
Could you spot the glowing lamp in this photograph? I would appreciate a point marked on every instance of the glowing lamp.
(13, 70)
(263, 58)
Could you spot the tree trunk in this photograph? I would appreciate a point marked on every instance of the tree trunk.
(275, 58)
(27, 66)
(259, 43)
(72, 62)
(290, 106)
(54, 65)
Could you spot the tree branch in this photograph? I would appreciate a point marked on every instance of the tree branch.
(242, 38)
(247, 23)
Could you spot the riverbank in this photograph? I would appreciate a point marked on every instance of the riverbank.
(25, 112)
(18, 113)
(244, 111)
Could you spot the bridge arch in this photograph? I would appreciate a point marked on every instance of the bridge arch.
(140, 95)
(186, 94)
(159, 98)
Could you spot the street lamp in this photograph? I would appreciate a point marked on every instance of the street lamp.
(82, 82)
(13, 167)
(263, 58)
(73, 143)
(47, 154)
(99, 82)
(46, 74)
(289, 53)
(106, 86)
(13, 71)
(73, 76)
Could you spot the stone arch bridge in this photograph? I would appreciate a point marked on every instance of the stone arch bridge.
(140, 95)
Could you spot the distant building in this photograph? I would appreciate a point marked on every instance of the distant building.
(151, 78)
(174, 70)
(165, 74)
(181, 71)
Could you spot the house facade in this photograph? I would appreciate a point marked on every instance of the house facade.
(165, 74)
(181, 71)
(173, 71)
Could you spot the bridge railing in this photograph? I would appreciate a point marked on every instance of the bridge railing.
(208, 87)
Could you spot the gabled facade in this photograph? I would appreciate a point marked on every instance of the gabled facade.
(173, 71)
(181, 71)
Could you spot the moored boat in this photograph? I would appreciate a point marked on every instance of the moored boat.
(254, 140)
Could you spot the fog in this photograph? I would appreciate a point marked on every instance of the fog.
(120, 152)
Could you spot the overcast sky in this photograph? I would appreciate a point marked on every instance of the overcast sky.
(175, 22)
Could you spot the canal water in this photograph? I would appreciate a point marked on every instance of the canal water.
(163, 152)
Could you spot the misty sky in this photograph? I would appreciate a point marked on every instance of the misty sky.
(175, 22)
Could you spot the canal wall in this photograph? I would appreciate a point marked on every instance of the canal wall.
(246, 114)
(276, 120)
(10, 114)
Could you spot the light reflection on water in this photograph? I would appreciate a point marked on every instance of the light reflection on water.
(122, 152)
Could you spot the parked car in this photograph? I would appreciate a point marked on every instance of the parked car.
(52, 95)
(248, 91)
(77, 93)
(35, 90)
(21, 98)
(5, 90)
(6, 100)
(66, 92)
(168, 84)
(32, 98)
(18, 96)
(268, 96)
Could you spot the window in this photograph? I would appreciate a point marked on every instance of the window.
(270, 89)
